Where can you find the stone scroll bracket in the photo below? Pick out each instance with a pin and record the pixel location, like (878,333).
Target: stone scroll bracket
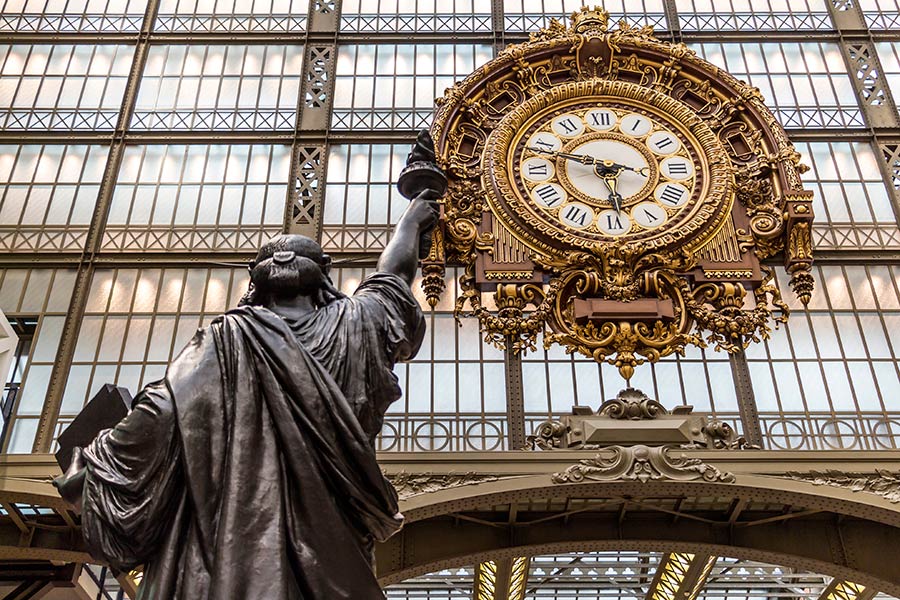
(642,463)
(635,420)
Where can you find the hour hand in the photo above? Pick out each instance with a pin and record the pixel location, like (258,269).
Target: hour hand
(611,182)
(615,167)
(616,200)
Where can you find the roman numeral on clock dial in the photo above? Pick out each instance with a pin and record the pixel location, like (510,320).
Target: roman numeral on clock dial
(545,141)
(671,194)
(613,222)
(548,194)
(537,169)
(567,126)
(635,125)
(677,168)
(649,215)
(600,119)
(576,215)
(663,142)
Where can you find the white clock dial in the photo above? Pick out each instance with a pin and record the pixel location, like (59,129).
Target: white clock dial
(663,143)
(545,141)
(548,195)
(585,178)
(568,126)
(537,169)
(677,168)
(600,119)
(649,215)
(671,195)
(635,125)
(613,223)
(577,215)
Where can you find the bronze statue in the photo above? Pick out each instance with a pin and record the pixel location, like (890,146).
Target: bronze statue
(249,471)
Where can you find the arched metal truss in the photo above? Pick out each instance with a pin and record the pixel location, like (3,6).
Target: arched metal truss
(833,513)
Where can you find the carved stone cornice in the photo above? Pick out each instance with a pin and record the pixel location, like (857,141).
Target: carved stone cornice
(881,483)
(642,463)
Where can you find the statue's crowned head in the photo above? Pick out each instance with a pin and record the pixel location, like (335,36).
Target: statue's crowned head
(288,266)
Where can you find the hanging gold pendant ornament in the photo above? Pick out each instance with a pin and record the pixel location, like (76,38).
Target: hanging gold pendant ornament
(618,194)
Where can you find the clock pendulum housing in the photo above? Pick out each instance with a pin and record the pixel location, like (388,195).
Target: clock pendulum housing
(618,194)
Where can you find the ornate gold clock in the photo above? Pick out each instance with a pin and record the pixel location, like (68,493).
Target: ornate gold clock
(601,162)
(619,195)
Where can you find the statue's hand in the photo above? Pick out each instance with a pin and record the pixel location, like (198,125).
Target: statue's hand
(71,483)
(423,210)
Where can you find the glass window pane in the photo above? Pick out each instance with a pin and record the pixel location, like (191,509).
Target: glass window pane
(218,87)
(71,77)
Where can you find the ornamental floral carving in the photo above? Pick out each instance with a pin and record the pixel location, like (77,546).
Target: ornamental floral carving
(642,463)
(416,484)
(881,483)
(648,294)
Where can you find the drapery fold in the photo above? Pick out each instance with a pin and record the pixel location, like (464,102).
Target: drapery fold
(250,472)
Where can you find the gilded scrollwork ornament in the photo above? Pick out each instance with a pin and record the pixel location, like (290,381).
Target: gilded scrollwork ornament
(671,257)
(433,283)
(512,326)
(718,309)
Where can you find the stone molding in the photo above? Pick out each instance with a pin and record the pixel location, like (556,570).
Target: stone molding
(642,463)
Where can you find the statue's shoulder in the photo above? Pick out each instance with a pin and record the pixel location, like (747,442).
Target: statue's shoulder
(200,350)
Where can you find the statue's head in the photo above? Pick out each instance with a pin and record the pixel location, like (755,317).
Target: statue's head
(288,266)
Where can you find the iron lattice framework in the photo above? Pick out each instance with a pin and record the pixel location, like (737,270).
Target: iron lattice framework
(117,115)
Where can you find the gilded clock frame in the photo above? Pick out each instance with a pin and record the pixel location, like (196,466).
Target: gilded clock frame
(699,283)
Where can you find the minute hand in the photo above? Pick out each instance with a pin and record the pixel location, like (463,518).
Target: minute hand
(582,158)
(590,160)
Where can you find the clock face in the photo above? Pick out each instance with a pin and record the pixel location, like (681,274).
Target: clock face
(602,168)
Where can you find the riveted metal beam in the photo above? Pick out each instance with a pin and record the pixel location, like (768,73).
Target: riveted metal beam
(304,204)
(672,22)
(863,64)
(680,576)
(515,400)
(840,589)
(59,375)
(804,541)
(746,399)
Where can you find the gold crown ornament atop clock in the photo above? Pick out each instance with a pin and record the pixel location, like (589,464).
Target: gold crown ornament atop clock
(618,194)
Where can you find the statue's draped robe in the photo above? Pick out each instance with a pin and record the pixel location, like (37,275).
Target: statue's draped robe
(249,472)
